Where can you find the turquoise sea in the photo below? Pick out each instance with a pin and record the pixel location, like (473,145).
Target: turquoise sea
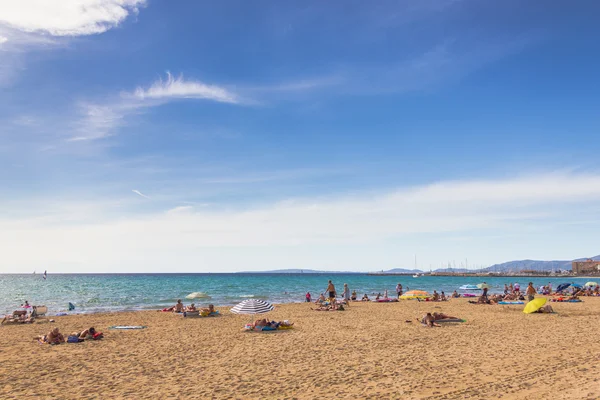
(118,292)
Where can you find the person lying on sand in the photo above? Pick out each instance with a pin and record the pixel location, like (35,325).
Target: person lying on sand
(17,319)
(428,320)
(331,307)
(547,309)
(88,334)
(259,323)
(207,311)
(439,316)
(496,298)
(52,337)
(481,300)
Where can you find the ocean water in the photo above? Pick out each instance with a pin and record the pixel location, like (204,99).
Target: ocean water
(120,292)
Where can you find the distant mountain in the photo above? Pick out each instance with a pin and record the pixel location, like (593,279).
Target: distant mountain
(403,271)
(515,266)
(398,271)
(534,265)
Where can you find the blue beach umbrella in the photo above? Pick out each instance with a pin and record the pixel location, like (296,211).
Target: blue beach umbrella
(562,287)
(577,285)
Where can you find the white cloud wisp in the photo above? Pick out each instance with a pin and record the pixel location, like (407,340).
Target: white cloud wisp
(174,88)
(101,120)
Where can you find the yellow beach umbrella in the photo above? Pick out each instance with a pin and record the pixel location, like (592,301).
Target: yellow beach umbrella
(415,294)
(591,284)
(534,305)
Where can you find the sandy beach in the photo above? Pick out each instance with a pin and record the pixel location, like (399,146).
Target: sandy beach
(368,351)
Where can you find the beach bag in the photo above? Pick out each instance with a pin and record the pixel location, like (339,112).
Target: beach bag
(97,336)
(74,339)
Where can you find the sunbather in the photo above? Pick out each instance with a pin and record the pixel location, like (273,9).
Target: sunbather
(179,307)
(455,295)
(52,337)
(205,312)
(191,307)
(365,298)
(18,317)
(440,316)
(428,320)
(547,309)
(321,299)
(88,334)
(436,296)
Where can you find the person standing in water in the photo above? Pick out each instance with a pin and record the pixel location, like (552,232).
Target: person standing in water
(331,290)
(308,297)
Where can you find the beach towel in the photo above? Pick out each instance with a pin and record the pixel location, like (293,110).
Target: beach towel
(127,327)
(567,301)
(511,302)
(451,320)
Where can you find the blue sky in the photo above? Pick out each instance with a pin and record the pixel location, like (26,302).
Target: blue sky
(224,136)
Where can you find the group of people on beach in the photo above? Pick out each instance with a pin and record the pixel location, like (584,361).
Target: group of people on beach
(180,308)
(56,337)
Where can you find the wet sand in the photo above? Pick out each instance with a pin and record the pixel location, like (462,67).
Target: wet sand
(368,351)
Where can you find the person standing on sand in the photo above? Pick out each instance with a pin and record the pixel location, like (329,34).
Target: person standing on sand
(331,290)
(530,292)
(399,290)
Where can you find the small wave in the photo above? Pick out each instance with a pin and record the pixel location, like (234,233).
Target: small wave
(246,295)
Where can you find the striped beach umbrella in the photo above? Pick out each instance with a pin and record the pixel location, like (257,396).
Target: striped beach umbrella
(252,306)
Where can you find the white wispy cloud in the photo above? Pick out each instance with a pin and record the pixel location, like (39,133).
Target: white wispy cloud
(140,194)
(101,120)
(67,17)
(446,208)
(180,88)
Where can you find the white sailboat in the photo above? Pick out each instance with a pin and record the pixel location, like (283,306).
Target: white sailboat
(417,275)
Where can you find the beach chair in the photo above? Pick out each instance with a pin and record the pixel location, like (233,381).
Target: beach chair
(41,311)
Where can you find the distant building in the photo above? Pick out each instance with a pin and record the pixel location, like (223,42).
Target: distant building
(586,267)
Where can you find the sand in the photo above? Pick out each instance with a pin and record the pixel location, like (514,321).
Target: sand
(366,352)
